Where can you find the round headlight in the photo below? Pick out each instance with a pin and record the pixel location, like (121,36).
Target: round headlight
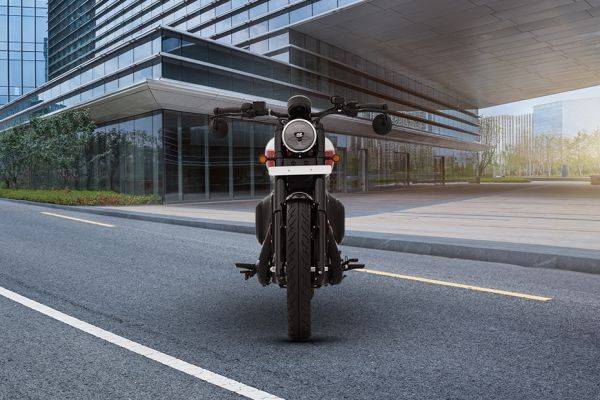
(299,135)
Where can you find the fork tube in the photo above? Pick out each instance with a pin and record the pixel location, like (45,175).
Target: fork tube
(321,199)
(320,143)
(279,197)
(278,146)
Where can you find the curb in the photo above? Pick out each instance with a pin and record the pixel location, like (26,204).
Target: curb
(535,256)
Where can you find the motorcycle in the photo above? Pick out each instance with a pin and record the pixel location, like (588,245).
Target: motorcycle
(299,224)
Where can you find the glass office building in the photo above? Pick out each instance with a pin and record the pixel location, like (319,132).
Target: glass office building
(150,72)
(23,47)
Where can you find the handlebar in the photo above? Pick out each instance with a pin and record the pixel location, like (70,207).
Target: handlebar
(381,107)
(227,110)
(259,109)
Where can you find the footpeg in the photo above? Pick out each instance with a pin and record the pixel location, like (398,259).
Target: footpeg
(249,270)
(350,264)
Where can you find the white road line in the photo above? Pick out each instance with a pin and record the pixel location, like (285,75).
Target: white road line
(165,359)
(87,221)
(456,285)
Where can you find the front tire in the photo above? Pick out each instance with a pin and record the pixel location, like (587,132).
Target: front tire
(298,258)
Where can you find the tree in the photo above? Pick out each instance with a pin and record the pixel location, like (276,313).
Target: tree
(17,150)
(490,134)
(64,137)
(44,145)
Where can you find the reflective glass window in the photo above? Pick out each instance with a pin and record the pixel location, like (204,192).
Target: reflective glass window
(171,44)
(193,155)
(219,79)
(125,79)
(240,17)
(240,36)
(195,49)
(14,25)
(193,73)
(259,28)
(300,14)
(126,58)
(279,21)
(142,51)
(321,6)
(98,71)
(111,65)
(14,72)
(276,4)
(28,29)
(259,10)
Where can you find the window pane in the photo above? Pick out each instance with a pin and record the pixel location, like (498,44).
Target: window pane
(28,29)
(14,25)
(171,151)
(171,44)
(28,73)
(41,29)
(194,49)
(14,71)
(142,51)
(193,137)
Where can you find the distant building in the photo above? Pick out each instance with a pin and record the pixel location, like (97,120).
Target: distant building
(23,47)
(515,137)
(566,118)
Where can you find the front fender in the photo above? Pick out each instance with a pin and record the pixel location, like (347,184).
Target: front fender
(264,213)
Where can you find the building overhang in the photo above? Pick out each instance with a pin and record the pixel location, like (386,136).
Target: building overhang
(167,94)
(489,52)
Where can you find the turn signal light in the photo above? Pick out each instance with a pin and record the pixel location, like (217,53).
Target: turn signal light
(332,159)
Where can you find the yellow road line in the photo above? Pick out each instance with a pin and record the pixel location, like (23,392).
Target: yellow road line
(456,285)
(79,220)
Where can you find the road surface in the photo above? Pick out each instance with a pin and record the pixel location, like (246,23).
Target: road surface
(107,308)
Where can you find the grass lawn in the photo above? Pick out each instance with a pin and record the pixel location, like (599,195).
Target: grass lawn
(77,197)
(505,180)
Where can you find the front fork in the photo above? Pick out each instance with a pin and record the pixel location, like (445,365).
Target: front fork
(321,200)
(278,231)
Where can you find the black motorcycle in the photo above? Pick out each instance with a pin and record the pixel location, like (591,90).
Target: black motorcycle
(300,224)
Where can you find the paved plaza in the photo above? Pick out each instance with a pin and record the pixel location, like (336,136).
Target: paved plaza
(560,214)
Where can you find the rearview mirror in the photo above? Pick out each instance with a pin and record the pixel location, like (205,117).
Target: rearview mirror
(382,124)
(219,128)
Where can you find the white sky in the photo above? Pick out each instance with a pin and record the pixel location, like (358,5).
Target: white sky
(526,106)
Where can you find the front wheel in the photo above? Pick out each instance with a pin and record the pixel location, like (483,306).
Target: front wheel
(298,257)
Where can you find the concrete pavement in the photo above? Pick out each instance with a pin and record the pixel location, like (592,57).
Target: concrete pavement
(174,289)
(563,214)
(543,224)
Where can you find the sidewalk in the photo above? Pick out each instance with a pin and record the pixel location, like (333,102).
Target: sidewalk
(542,224)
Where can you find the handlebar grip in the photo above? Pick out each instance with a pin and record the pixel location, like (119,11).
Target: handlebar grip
(375,106)
(227,110)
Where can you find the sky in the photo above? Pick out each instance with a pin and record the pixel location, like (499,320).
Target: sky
(526,106)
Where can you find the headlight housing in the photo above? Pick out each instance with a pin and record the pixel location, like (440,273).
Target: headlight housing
(299,135)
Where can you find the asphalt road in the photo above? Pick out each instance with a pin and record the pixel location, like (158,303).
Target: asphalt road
(175,290)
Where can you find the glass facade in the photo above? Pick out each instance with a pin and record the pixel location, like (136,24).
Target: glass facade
(71,33)
(170,154)
(105,47)
(122,67)
(81,30)
(548,119)
(199,167)
(168,54)
(23,47)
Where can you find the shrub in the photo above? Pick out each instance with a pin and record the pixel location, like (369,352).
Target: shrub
(78,197)
(509,179)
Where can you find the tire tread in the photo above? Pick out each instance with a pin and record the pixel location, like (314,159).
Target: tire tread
(298,256)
